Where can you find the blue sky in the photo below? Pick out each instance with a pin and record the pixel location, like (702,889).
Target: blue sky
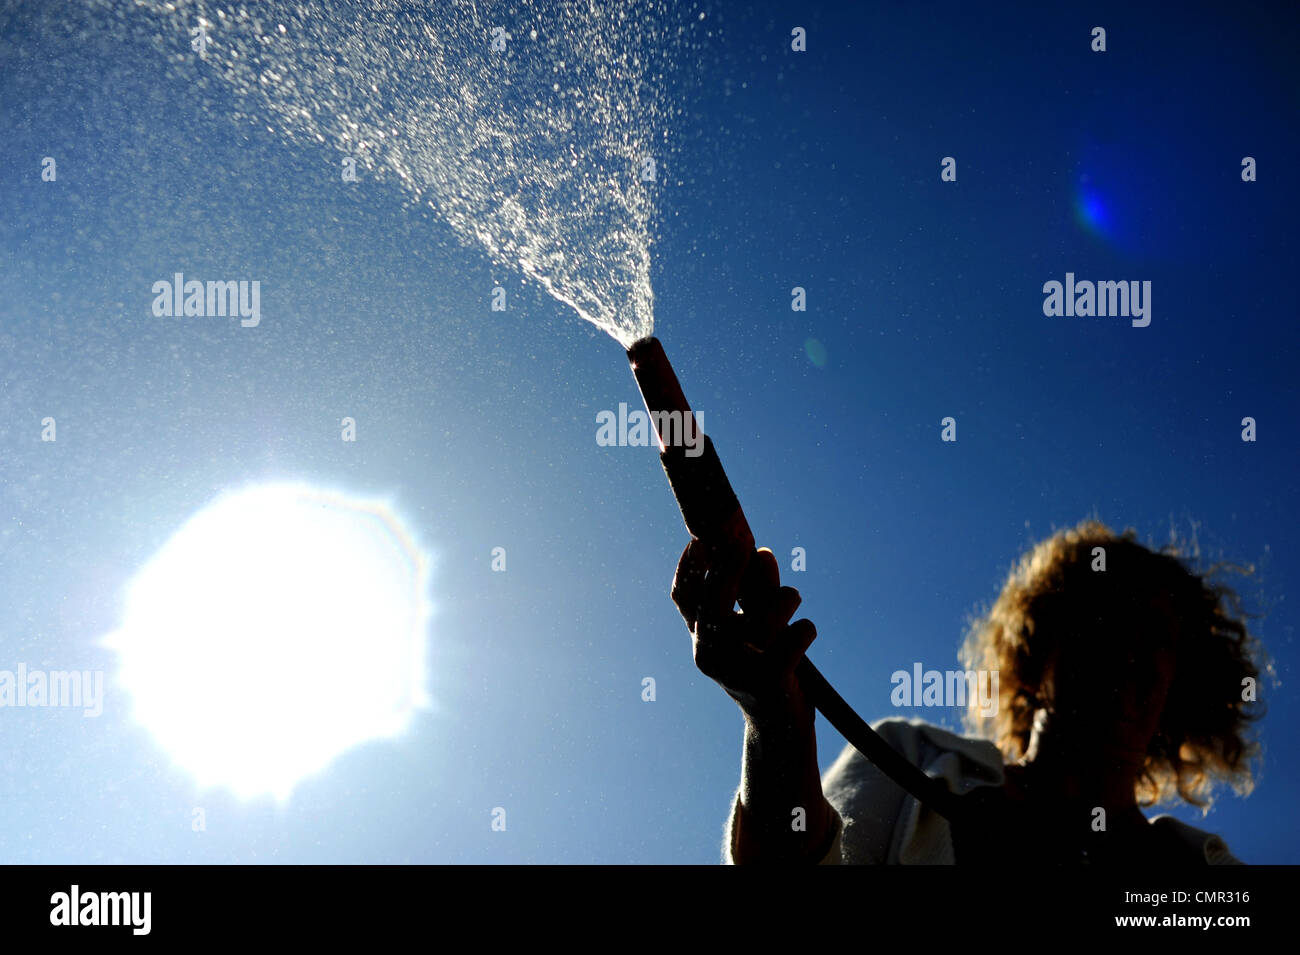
(818,170)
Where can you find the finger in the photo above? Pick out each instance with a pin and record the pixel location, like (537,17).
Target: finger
(786,603)
(770,618)
(722,582)
(762,576)
(798,637)
(688,581)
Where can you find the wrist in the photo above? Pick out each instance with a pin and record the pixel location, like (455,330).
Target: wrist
(780,720)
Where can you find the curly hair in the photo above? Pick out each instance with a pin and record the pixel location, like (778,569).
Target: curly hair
(1053,596)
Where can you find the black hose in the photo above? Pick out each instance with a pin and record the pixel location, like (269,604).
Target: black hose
(868,742)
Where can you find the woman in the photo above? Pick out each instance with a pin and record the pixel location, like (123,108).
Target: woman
(1123,682)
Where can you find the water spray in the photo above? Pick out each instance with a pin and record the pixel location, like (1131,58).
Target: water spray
(712,513)
(503,172)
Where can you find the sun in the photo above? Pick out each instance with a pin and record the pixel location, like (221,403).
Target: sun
(281,626)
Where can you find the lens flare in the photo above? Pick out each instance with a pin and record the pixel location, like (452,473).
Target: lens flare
(1093,211)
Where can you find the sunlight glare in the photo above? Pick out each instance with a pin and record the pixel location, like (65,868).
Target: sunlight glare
(280,626)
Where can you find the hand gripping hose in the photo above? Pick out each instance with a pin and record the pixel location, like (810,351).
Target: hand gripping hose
(712,513)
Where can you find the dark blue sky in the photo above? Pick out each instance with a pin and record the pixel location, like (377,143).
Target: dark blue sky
(818,170)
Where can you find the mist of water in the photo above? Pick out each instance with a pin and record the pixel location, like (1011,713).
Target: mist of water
(539,151)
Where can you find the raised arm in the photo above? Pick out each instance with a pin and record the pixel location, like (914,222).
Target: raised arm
(752,655)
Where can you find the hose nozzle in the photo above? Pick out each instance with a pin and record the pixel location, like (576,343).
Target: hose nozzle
(709,506)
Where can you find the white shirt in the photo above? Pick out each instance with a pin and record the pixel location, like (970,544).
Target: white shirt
(878,823)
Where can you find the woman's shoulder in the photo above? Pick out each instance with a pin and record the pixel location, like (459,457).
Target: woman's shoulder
(1197,841)
(922,743)
(882,822)
(963,761)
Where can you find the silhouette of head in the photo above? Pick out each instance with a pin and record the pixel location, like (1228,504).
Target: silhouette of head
(1132,655)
